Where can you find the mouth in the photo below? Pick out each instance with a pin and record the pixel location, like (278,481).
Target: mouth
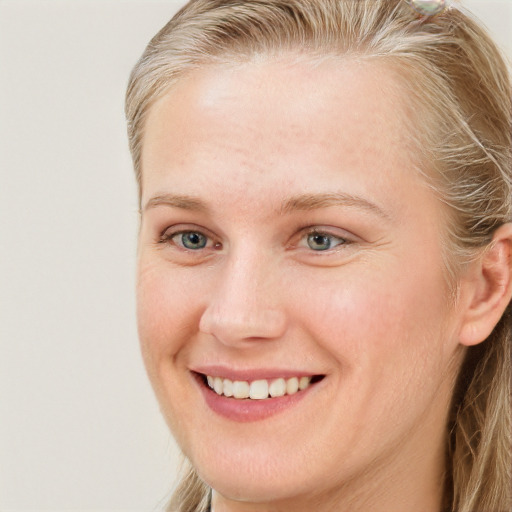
(258,389)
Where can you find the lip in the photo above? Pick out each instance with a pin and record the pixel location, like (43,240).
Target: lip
(247,410)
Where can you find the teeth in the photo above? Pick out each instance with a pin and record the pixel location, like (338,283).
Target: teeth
(218,385)
(304,382)
(228,388)
(278,387)
(240,389)
(258,389)
(292,385)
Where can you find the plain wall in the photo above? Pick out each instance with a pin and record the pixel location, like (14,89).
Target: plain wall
(79,427)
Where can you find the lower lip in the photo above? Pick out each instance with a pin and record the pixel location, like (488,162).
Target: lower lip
(249,410)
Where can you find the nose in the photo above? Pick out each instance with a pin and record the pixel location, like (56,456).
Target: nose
(245,302)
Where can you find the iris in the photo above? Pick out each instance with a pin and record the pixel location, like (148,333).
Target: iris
(319,242)
(193,240)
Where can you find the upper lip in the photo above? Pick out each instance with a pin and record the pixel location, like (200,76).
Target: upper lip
(251,374)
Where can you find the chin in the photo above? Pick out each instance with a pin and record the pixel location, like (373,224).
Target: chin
(258,476)
(265,488)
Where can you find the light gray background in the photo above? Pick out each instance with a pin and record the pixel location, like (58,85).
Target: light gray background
(79,427)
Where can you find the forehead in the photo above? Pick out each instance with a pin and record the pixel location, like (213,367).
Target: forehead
(270,115)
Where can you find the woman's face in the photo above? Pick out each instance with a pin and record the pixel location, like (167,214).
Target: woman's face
(286,234)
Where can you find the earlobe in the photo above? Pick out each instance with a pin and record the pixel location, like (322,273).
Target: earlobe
(487,289)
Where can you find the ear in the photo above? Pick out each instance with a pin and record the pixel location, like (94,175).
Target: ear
(486,289)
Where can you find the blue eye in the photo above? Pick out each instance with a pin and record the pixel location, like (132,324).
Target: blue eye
(323,241)
(192,240)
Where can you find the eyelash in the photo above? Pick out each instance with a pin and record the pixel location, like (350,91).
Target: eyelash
(306,235)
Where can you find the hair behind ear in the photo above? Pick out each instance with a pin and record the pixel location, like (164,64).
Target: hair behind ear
(480,441)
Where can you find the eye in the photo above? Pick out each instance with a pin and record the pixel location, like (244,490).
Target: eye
(187,239)
(192,240)
(319,241)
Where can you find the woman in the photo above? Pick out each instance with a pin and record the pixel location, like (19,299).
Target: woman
(325,254)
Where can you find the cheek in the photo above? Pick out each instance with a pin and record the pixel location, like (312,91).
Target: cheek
(386,344)
(383,325)
(168,310)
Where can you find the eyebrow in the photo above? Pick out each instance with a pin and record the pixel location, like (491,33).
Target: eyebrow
(303,202)
(307,202)
(176,201)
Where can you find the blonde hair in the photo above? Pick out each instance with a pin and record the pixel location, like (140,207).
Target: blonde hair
(460,84)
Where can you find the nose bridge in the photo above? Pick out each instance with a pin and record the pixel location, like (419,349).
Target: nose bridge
(245,303)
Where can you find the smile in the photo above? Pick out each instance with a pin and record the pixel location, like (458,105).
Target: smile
(258,389)
(248,396)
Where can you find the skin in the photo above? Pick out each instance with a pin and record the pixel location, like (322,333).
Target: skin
(372,313)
